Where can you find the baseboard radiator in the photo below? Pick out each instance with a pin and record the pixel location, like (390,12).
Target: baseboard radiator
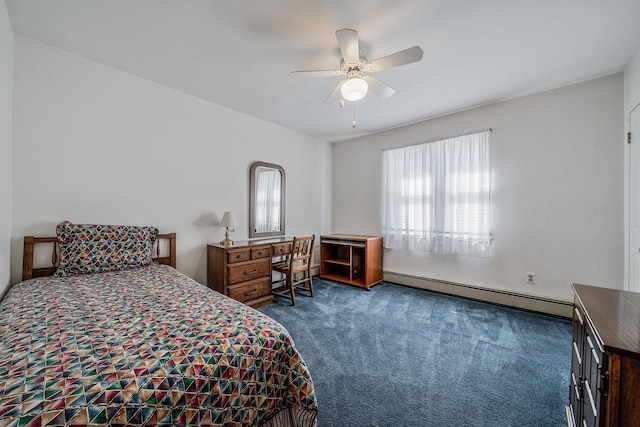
(315,263)
(511,299)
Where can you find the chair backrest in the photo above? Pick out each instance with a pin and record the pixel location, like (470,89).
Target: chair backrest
(301,250)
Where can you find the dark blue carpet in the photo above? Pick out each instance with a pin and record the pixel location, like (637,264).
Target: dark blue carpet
(399,356)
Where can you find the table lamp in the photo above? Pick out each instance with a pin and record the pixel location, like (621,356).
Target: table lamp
(228,220)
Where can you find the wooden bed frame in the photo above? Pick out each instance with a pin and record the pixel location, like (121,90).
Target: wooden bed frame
(28,272)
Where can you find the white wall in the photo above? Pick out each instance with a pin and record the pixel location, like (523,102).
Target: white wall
(96,145)
(557,190)
(632,98)
(632,83)
(6,90)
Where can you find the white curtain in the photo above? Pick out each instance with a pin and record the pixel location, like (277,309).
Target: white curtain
(436,196)
(267,200)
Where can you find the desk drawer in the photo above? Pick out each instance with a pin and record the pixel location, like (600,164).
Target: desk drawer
(238,255)
(250,290)
(237,273)
(262,252)
(281,249)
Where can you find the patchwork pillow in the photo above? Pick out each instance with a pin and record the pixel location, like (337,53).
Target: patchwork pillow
(89,248)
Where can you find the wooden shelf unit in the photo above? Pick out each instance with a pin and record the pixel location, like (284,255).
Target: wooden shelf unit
(352,259)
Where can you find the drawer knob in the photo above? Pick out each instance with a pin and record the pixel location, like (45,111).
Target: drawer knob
(254,271)
(247,293)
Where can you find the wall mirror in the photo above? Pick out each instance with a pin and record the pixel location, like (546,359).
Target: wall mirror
(266,200)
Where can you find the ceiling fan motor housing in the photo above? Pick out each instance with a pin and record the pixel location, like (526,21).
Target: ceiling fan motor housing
(357,68)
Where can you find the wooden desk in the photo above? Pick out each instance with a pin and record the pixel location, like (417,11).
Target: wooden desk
(352,259)
(243,271)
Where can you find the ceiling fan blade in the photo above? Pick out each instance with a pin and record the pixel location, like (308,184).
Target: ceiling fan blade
(407,56)
(348,42)
(377,87)
(335,95)
(316,73)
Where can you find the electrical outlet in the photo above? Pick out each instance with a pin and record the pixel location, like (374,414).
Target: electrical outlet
(530,278)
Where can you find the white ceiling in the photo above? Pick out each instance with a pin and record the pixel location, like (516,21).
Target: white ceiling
(239,53)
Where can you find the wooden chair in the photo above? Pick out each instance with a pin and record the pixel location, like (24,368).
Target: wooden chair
(296,269)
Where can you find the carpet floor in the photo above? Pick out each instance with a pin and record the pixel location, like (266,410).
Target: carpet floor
(399,356)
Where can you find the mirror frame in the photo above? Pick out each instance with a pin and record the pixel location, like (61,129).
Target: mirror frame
(252,200)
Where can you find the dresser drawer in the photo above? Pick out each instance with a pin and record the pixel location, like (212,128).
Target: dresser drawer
(262,252)
(238,255)
(281,249)
(237,273)
(247,291)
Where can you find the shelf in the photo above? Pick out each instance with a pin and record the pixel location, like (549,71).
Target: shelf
(344,279)
(344,243)
(338,261)
(359,281)
(335,277)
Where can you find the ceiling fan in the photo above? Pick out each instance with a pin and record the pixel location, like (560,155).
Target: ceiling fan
(356,69)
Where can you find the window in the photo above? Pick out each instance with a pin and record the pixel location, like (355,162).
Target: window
(436,196)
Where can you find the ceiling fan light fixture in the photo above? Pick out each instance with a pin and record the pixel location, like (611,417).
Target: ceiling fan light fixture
(354,89)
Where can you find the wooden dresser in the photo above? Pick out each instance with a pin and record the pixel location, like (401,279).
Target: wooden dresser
(604,385)
(243,271)
(352,259)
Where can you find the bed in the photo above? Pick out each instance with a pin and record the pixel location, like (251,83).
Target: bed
(120,343)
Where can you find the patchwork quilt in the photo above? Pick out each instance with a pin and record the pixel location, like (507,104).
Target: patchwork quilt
(146,346)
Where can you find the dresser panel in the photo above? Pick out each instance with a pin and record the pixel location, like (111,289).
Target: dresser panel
(247,291)
(605,364)
(241,272)
(280,249)
(238,255)
(264,252)
(575,388)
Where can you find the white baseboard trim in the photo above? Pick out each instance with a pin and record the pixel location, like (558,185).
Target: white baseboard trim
(511,299)
(315,270)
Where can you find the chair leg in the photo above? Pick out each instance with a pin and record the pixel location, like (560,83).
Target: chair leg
(292,288)
(311,285)
(308,281)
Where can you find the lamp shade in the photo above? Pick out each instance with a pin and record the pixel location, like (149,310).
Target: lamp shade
(354,89)
(228,220)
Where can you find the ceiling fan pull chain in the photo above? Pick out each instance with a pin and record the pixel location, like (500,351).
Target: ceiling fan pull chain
(354,123)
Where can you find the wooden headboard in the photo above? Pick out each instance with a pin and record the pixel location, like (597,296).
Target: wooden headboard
(28,272)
